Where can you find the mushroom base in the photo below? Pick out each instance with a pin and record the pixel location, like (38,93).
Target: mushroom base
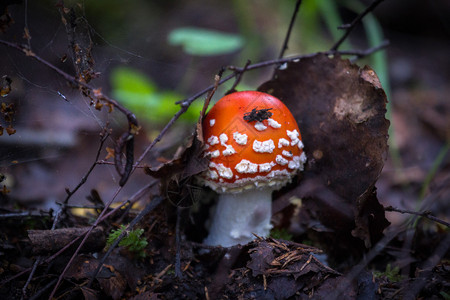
(238,216)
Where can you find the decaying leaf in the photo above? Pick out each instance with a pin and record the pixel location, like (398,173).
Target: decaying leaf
(340,109)
(177,175)
(84,267)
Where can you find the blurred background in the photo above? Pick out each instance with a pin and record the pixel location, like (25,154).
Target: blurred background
(150,54)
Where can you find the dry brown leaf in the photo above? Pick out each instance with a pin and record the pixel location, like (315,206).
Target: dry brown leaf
(340,109)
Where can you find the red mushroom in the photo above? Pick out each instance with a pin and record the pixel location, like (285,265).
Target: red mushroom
(255,147)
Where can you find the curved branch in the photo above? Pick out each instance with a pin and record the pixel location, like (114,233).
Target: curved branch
(349,27)
(425,214)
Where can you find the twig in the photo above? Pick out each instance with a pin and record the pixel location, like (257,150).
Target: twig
(349,27)
(103,137)
(83,180)
(364,53)
(43,290)
(211,94)
(110,163)
(23,214)
(152,205)
(291,25)
(81,206)
(425,214)
(178,272)
(35,265)
(239,77)
(27,29)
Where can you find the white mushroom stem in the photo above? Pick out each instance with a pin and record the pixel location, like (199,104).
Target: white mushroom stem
(237,216)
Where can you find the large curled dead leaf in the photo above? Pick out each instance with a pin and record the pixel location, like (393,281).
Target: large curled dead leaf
(340,109)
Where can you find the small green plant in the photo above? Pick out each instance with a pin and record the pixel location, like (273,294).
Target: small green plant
(132,241)
(393,274)
(282,234)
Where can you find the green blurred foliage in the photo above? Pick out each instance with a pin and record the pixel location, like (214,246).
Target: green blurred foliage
(141,96)
(205,42)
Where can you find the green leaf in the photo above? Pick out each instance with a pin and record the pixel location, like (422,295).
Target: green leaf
(140,95)
(204,42)
(131,81)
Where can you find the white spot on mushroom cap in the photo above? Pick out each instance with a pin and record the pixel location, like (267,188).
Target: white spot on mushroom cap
(293,135)
(212,174)
(213,140)
(263,147)
(281,160)
(300,144)
(274,124)
(303,158)
(297,162)
(212,122)
(266,167)
(229,151)
(222,170)
(223,138)
(215,153)
(246,166)
(294,163)
(283,142)
(287,153)
(260,126)
(240,139)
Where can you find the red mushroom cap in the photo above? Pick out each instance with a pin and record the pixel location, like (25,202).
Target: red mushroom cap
(253,141)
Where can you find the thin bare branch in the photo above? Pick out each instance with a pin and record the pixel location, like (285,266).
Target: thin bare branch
(83,180)
(291,25)
(178,272)
(349,27)
(239,77)
(211,94)
(425,214)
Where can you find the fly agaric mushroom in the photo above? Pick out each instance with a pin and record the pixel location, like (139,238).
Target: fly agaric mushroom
(255,147)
